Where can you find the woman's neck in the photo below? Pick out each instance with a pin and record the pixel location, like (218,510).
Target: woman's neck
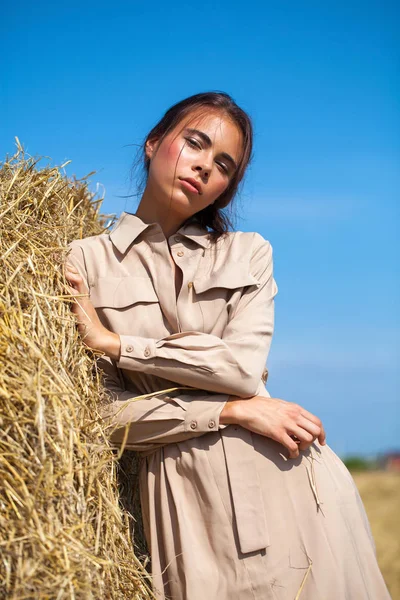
(151,212)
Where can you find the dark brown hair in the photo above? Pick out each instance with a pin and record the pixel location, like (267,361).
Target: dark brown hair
(212,216)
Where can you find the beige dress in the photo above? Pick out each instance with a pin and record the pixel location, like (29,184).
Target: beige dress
(227,515)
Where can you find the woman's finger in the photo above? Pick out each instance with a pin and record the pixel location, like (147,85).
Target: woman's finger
(290,445)
(71,267)
(73,277)
(310,416)
(308,425)
(71,290)
(322,436)
(302,434)
(71,272)
(77,282)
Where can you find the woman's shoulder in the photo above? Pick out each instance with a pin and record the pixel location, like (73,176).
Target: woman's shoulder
(92,241)
(245,242)
(242,252)
(93,249)
(92,252)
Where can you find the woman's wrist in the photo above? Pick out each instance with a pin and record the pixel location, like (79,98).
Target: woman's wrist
(230,413)
(111,345)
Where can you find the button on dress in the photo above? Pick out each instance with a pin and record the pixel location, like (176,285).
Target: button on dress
(226,514)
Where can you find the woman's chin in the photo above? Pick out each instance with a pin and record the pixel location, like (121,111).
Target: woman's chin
(183,203)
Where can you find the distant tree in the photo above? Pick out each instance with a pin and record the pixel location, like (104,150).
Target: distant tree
(358,463)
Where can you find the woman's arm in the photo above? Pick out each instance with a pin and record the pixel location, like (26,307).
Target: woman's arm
(154,421)
(231,365)
(157,420)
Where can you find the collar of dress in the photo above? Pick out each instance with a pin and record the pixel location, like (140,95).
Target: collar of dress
(129,227)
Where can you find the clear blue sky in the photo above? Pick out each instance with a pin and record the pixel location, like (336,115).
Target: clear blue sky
(86,80)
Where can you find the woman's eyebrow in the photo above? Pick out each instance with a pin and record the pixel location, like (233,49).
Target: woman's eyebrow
(207,142)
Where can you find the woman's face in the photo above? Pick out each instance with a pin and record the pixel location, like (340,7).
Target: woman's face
(194,163)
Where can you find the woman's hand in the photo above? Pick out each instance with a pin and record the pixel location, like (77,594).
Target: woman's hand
(93,333)
(276,419)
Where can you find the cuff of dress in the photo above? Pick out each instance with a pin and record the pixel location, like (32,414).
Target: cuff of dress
(203,415)
(135,348)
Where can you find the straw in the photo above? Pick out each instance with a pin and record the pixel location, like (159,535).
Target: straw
(64,533)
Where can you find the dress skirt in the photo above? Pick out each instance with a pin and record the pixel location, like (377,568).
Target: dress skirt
(320,545)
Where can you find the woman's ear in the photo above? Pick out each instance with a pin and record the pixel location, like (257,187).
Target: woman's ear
(151,146)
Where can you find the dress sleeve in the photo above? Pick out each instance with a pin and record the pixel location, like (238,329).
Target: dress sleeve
(158,419)
(233,364)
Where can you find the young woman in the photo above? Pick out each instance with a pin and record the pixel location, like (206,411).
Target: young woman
(241,497)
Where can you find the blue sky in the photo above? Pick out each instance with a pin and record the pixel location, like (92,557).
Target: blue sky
(87,80)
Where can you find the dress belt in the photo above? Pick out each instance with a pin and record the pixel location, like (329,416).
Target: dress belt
(248,503)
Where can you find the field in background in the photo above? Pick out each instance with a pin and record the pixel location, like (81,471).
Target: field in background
(380,492)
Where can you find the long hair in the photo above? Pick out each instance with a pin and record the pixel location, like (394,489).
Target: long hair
(212,216)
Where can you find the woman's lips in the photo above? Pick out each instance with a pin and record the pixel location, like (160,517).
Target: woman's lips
(189,186)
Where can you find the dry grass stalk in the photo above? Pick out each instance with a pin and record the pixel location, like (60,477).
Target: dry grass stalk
(312,480)
(303,583)
(63,531)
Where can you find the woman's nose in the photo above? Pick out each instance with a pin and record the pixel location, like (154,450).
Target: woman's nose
(203,169)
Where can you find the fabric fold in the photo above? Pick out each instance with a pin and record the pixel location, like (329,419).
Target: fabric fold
(247,498)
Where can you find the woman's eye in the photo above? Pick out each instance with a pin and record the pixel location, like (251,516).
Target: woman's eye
(223,167)
(193,143)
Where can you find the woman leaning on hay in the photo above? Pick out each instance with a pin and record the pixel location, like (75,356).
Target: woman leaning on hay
(241,496)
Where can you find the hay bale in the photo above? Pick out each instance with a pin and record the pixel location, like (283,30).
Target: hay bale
(63,531)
